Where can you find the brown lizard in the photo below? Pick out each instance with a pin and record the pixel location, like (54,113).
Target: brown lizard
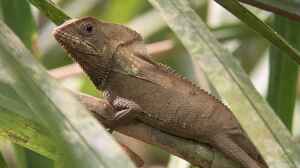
(115,59)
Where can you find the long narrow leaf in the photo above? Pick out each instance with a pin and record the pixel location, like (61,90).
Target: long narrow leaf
(17,15)
(12,102)
(231,82)
(26,133)
(260,27)
(2,161)
(284,73)
(51,11)
(62,114)
(20,126)
(288,9)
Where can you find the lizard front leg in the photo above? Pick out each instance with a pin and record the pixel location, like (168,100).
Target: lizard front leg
(126,111)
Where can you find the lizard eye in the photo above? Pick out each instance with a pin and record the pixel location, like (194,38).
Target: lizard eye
(87,28)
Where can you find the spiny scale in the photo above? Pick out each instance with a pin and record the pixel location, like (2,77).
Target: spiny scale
(170,70)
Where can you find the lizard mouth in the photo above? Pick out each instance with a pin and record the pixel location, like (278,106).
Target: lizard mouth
(73,43)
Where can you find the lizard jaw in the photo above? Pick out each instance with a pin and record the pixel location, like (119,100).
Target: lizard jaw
(74,43)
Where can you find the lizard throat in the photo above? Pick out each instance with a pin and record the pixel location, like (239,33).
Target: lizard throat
(97,72)
(96,64)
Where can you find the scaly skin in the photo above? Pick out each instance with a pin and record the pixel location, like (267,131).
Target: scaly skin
(115,59)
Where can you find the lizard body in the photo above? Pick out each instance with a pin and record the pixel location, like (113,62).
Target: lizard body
(115,59)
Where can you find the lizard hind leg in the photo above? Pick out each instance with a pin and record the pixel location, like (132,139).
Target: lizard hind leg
(233,151)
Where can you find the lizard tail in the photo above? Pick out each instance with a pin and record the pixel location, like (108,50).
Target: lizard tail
(244,142)
(233,151)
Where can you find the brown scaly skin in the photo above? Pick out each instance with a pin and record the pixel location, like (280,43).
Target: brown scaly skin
(115,59)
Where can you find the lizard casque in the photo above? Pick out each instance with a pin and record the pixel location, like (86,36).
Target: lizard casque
(115,59)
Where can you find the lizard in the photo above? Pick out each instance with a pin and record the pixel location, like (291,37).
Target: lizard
(115,59)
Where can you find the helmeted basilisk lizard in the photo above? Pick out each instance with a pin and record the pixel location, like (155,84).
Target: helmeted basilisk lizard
(115,59)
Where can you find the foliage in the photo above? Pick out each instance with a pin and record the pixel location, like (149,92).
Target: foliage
(38,114)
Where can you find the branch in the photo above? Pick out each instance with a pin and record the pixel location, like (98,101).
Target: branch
(33,136)
(198,154)
(66,71)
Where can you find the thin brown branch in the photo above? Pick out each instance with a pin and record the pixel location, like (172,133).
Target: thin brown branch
(155,50)
(158,48)
(66,71)
(198,154)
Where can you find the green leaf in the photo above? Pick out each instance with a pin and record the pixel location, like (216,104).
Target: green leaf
(51,11)
(288,9)
(284,73)
(260,27)
(20,155)
(35,160)
(233,85)
(17,15)
(2,161)
(26,133)
(79,136)
(12,102)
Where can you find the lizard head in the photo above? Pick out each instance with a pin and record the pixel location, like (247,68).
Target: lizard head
(92,43)
(90,36)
